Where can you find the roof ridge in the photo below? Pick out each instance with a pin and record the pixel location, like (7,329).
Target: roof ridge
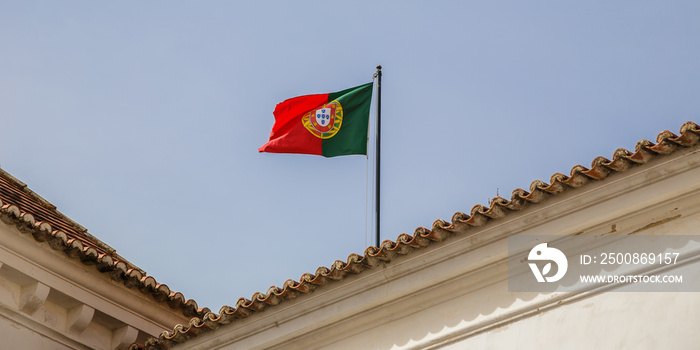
(48,205)
(26,189)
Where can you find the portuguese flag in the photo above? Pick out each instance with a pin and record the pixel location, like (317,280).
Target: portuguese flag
(328,125)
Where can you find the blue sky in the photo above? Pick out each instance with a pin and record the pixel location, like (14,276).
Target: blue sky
(141,121)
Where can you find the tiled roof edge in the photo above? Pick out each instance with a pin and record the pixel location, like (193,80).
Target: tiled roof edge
(539,191)
(118,268)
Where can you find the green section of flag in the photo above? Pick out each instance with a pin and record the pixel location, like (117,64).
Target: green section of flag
(352,136)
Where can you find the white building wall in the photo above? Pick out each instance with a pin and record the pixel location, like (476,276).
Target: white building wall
(609,320)
(14,335)
(606,321)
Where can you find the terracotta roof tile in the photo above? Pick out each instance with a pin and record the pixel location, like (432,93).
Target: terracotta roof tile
(35,216)
(601,168)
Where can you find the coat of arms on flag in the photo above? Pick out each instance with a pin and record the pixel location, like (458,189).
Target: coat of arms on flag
(324,122)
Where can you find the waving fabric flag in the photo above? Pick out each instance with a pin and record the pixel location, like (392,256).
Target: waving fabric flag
(328,125)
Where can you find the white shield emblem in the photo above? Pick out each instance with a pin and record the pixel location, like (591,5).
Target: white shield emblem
(323,116)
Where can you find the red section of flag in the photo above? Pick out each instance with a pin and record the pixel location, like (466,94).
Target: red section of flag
(289,134)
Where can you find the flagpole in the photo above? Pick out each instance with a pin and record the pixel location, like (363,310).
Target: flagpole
(378,150)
